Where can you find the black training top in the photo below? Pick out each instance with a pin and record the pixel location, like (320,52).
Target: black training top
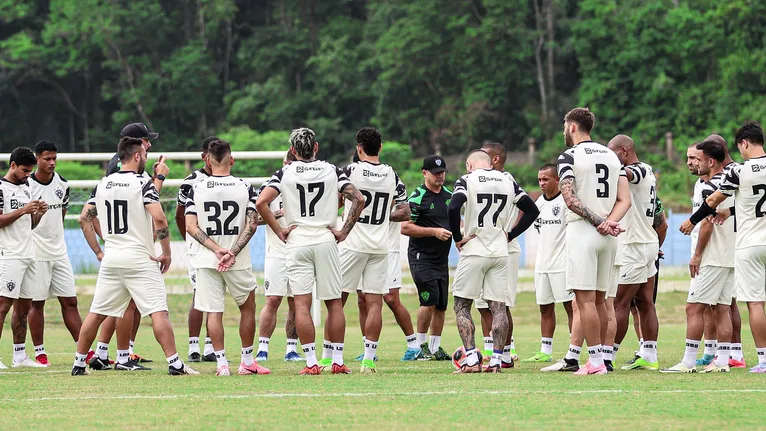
(429,209)
(113,166)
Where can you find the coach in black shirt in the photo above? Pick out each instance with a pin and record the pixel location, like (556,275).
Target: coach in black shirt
(428,254)
(140,131)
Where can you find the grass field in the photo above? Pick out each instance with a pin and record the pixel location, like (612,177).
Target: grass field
(407,395)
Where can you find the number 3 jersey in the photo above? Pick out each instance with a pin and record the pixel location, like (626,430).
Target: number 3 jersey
(381,188)
(490,195)
(310,199)
(126,226)
(220,204)
(748,180)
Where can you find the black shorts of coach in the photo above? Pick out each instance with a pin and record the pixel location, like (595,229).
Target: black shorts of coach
(432,283)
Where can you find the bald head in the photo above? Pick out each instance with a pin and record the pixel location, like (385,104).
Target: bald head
(625,148)
(718,139)
(478,159)
(497,153)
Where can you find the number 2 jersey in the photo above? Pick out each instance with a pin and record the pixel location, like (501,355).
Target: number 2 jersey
(382,189)
(310,199)
(126,226)
(489,197)
(639,219)
(748,181)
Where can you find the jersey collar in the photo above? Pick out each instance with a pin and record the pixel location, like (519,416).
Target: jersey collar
(34,177)
(126,172)
(4,179)
(553,198)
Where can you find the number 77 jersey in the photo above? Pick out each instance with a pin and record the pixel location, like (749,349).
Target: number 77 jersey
(490,196)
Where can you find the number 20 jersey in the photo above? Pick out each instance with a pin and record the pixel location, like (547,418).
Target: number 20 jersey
(596,171)
(381,188)
(126,226)
(220,204)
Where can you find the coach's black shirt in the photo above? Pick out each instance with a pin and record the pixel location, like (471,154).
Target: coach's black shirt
(429,209)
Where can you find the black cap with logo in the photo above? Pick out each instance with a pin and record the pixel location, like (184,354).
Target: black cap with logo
(434,164)
(139,131)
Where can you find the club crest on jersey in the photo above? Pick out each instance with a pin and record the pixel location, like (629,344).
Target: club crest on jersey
(10,285)
(59,193)
(556,210)
(27,193)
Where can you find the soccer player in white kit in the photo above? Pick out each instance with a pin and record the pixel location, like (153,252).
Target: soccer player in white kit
(221,216)
(276,288)
(747,182)
(129,211)
(550,260)
(20,213)
(639,249)
(309,190)
(482,269)
(364,254)
(53,271)
(594,188)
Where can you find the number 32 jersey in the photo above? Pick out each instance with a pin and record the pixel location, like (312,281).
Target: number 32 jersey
(220,204)
(126,225)
(381,188)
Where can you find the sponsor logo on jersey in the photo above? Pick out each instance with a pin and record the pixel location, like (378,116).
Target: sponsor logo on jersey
(11,285)
(211,184)
(483,179)
(15,204)
(757,168)
(595,151)
(59,193)
(368,173)
(55,206)
(111,184)
(302,169)
(541,221)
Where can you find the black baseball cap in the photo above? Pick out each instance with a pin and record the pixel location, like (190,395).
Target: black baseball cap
(434,164)
(139,131)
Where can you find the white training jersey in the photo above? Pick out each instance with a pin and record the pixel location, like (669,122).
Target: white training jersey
(14,238)
(596,171)
(699,185)
(221,204)
(126,226)
(720,249)
(382,190)
(489,198)
(748,181)
(394,236)
(310,199)
(274,246)
(639,219)
(513,246)
(192,246)
(48,236)
(551,243)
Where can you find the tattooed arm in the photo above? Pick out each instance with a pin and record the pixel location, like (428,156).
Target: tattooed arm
(87,216)
(566,186)
(192,229)
(351,194)
(401,213)
(162,233)
(251,224)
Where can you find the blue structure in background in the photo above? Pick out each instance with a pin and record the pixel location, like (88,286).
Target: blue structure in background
(677,248)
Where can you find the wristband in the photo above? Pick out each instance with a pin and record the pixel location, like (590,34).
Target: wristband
(160,177)
(701,213)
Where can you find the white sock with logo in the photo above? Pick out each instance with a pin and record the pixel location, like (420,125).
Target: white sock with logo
(337,353)
(39,350)
(263,344)
(412,341)
(19,352)
(102,351)
(208,347)
(292,346)
(546,345)
(247,356)
(309,351)
(690,353)
(489,343)
(193,345)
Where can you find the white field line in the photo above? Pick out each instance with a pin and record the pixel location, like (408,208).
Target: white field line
(371,394)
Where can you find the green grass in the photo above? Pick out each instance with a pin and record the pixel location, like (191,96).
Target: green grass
(402,395)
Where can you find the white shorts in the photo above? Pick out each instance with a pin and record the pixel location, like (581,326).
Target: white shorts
(713,285)
(750,273)
(551,287)
(511,286)
(275,278)
(591,257)
(316,264)
(394,270)
(615,283)
(369,269)
(212,286)
(17,278)
(192,276)
(53,279)
(638,263)
(478,277)
(116,286)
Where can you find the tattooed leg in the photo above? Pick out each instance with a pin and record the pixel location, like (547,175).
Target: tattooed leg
(499,322)
(465,324)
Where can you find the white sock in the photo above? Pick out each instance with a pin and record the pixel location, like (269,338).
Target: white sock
(208,346)
(710,347)
(193,345)
(434,343)
(595,355)
(607,352)
(471,357)
(309,351)
(616,347)
(263,344)
(326,350)
(513,344)
(546,345)
(19,352)
(736,351)
(220,357)
(640,343)
(412,341)
(292,346)
(507,354)
(650,351)
(102,351)
(370,347)
(573,352)
(690,353)
(761,356)
(337,353)
(39,350)
(421,338)
(175,362)
(79,360)
(132,343)
(489,343)
(247,356)
(123,356)
(723,353)
(497,358)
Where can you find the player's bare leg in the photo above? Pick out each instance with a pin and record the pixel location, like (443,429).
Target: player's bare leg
(247,336)
(437,322)
(404,320)
(133,333)
(547,329)
(466,329)
(71,316)
(194,322)
(592,307)
(486,331)
(88,332)
(373,325)
(362,305)
(571,361)
(500,329)
(268,322)
(650,326)
(724,330)
(625,295)
(609,335)
(163,332)
(123,333)
(711,336)
(305,329)
(758,328)
(291,349)
(101,360)
(509,351)
(335,325)
(737,358)
(19,327)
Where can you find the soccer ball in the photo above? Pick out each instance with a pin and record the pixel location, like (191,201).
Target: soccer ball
(458,358)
